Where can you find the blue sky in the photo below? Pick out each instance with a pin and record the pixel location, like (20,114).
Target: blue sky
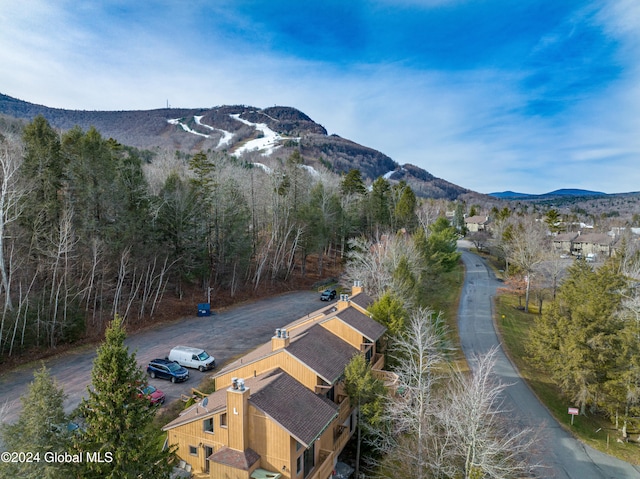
(491,95)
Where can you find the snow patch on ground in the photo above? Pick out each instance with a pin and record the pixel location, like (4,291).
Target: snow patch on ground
(268,143)
(388,174)
(227,136)
(264,167)
(224,141)
(310,169)
(186,128)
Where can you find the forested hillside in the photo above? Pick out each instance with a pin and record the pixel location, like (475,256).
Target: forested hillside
(239,130)
(90,228)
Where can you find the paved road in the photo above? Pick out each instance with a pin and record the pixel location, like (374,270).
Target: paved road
(562,457)
(225,336)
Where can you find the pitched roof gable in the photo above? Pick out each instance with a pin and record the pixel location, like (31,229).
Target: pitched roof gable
(216,402)
(368,327)
(323,352)
(304,414)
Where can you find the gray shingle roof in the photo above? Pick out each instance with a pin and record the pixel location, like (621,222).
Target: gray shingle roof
(295,408)
(362,299)
(324,352)
(369,328)
(238,459)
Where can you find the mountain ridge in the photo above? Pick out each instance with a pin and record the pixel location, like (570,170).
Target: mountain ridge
(575,192)
(229,128)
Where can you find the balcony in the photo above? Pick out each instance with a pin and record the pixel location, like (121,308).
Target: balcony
(324,468)
(345,409)
(341,436)
(377,362)
(387,377)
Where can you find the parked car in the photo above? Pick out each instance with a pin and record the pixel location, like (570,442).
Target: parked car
(192,358)
(165,369)
(153,394)
(328,295)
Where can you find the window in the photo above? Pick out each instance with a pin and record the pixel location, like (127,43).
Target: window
(298,446)
(193,450)
(331,393)
(208,425)
(309,459)
(299,465)
(223,419)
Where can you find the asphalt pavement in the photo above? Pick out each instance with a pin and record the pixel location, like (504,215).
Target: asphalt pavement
(224,335)
(561,455)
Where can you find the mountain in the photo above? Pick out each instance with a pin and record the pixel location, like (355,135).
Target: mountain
(260,135)
(566,192)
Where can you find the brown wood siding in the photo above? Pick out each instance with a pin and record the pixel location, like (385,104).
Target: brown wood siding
(283,360)
(343,331)
(272,442)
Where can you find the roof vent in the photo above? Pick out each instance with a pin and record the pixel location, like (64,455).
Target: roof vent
(234,383)
(284,334)
(241,384)
(278,333)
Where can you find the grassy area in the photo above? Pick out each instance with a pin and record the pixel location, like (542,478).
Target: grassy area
(445,297)
(597,431)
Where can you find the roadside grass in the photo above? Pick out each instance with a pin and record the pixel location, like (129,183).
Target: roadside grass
(597,431)
(445,297)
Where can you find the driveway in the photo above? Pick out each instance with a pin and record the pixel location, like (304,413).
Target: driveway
(562,456)
(225,336)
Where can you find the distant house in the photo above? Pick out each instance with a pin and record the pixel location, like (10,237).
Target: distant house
(476,223)
(563,243)
(600,244)
(281,411)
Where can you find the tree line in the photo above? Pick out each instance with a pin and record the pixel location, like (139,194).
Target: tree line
(90,228)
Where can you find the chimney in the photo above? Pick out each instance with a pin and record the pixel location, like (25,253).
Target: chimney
(238,416)
(356,288)
(280,339)
(343,302)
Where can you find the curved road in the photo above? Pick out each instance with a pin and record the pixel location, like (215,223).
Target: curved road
(225,336)
(562,457)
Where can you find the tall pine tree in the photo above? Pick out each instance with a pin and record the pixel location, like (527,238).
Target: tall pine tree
(118,421)
(41,428)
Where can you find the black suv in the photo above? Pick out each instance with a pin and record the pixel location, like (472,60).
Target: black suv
(328,295)
(165,369)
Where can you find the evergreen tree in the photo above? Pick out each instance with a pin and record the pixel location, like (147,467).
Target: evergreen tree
(41,428)
(439,248)
(552,219)
(577,338)
(118,420)
(352,183)
(43,169)
(405,208)
(365,392)
(389,310)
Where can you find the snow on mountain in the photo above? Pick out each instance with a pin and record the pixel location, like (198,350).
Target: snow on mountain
(185,127)
(388,174)
(264,167)
(227,136)
(267,144)
(310,169)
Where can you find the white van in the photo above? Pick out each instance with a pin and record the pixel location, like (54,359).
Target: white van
(192,358)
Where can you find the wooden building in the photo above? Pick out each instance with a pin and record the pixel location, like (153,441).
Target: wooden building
(476,223)
(281,410)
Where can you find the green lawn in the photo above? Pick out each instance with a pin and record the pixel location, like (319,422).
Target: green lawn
(514,326)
